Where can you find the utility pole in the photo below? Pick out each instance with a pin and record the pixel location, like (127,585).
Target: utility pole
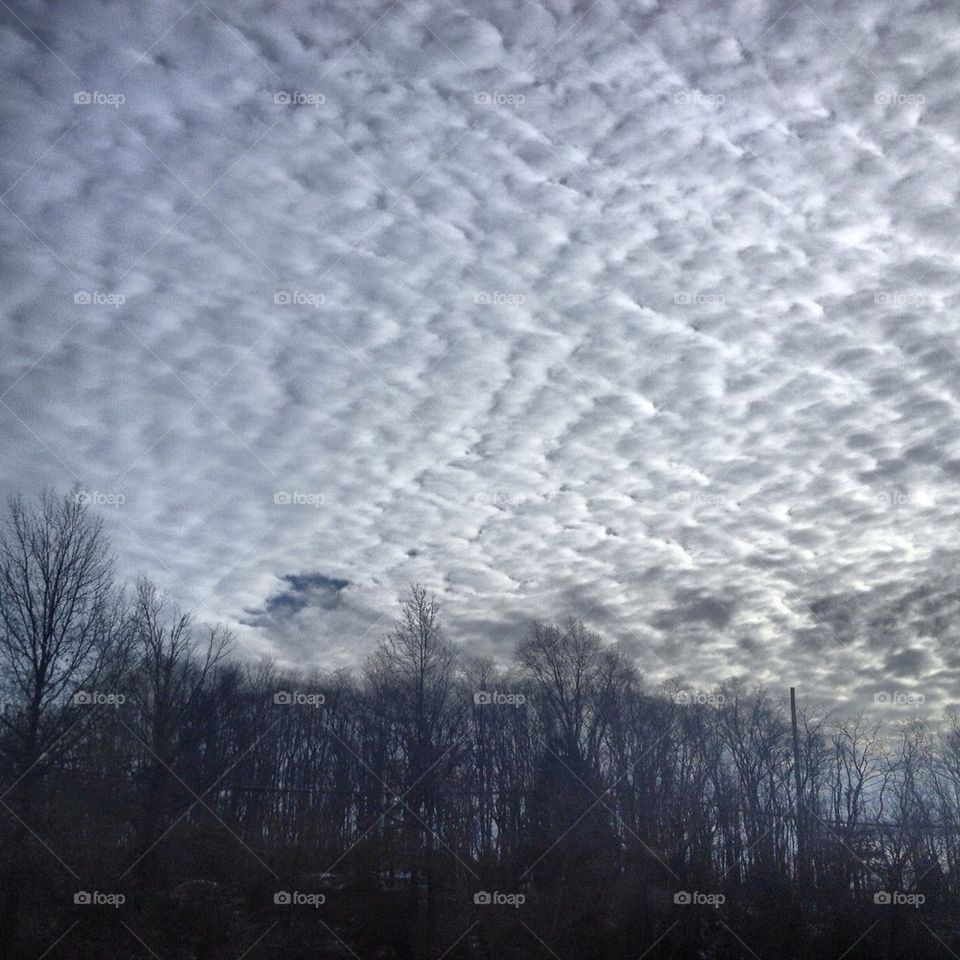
(799,814)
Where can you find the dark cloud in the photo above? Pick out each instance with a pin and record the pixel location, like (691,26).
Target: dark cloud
(309,589)
(907,663)
(694,607)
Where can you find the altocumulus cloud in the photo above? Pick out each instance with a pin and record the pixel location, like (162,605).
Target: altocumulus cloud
(641,311)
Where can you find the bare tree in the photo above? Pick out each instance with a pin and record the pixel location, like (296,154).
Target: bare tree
(412,674)
(171,673)
(62,648)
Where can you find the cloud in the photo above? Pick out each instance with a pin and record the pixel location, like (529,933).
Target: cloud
(632,308)
(311,620)
(692,606)
(302,590)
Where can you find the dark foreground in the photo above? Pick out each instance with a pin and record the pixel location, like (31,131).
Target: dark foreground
(161,800)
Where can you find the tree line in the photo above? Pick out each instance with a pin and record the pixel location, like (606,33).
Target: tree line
(162,797)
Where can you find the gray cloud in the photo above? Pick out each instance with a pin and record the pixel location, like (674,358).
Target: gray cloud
(302,590)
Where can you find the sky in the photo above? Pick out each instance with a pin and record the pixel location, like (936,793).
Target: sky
(641,312)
